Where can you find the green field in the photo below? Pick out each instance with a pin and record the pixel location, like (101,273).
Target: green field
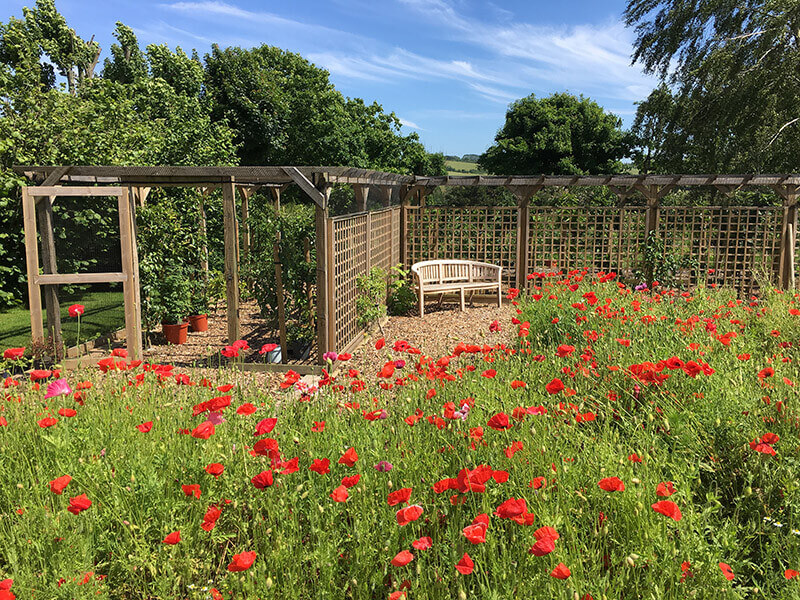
(104,313)
(460,167)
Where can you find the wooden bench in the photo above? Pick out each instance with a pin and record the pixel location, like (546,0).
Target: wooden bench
(443,276)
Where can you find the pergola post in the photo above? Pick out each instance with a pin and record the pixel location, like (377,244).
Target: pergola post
(44,211)
(523,195)
(32,266)
(245,192)
(231,260)
(130,268)
(361,193)
(786,273)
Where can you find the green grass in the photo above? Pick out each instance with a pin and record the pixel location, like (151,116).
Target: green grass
(651,389)
(105,313)
(459,167)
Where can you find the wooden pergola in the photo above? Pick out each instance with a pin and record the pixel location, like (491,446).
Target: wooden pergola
(131,185)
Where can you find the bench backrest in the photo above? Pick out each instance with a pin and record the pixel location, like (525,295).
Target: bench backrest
(451,271)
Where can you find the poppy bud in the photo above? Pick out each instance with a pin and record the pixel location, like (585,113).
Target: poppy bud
(636,480)
(717,422)
(389,484)
(299,488)
(666,424)
(321,508)
(304,495)
(269,582)
(748,491)
(639,506)
(576,596)
(605,529)
(650,417)
(354,581)
(630,561)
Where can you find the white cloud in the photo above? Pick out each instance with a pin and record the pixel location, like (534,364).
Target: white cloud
(410,124)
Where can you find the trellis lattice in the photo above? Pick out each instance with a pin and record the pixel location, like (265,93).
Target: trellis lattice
(487,234)
(360,242)
(732,245)
(595,238)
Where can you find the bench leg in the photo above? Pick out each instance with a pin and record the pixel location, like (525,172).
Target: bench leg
(462,299)
(441,299)
(421,304)
(471,294)
(499,297)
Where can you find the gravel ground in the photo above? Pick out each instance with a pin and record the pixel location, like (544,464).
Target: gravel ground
(437,333)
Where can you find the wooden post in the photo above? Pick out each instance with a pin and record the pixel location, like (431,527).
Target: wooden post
(307,259)
(331,283)
(321,226)
(279,292)
(361,195)
(276,198)
(44,210)
(786,273)
(245,193)
(386,195)
(404,232)
(523,236)
(133,328)
(32,266)
(231,262)
(204,236)
(136,281)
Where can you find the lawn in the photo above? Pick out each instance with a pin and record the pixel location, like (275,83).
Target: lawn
(460,167)
(105,313)
(629,445)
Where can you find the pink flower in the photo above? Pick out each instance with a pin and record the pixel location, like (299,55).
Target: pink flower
(59,387)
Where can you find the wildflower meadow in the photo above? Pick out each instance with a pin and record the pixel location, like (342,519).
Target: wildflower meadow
(628,444)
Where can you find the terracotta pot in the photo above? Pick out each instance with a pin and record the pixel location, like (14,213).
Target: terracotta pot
(175,334)
(198,323)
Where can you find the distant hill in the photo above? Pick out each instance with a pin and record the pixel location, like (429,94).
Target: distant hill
(462,167)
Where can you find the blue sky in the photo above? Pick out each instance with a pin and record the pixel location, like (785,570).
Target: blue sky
(447,68)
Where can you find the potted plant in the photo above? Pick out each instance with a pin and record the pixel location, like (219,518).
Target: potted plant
(198,309)
(299,339)
(174,300)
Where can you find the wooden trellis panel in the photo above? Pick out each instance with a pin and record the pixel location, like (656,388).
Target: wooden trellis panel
(487,234)
(734,246)
(360,242)
(596,238)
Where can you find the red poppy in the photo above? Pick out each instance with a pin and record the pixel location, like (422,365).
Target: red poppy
(564,350)
(266,447)
(318,426)
(512,450)
(320,465)
(203,431)
(402,558)
(543,546)
(210,518)
(246,409)
(40,374)
(215,469)
(726,571)
(790,573)
(340,494)
(59,483)
(555,386)
(349,458)
(242,562)
(408,514)
(489,373)
(262,480)
(76,310)
(13,353)
(475,533)
(172,539)
(423,543)
(668,508)
(465,566)
(380,344)
(561,571)
(67,412)
(399,496)
(665,489)
(47,422)
(351,481)
(387,371)
(265,426)
(499,422)
(544,532)
(192,490)
(79,504)
(513,507)
(293,466)
(611,484)
(145,427)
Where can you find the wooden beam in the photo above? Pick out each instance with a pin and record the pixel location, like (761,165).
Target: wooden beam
(133,327)
(361,193)
(323,308)
(279,292)
(231,263)
(305,185)
(523,235)
(245,193)
(44,211)
(79,278)
(32,265)
(135,281)
(276,198)
(57,190)
(525,192)
(55,176)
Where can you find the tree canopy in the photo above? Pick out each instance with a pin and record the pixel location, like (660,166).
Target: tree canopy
(733,71)
(559,134)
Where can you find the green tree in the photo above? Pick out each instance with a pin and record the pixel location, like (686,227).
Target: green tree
(560,134)
(734,70)
(127,64)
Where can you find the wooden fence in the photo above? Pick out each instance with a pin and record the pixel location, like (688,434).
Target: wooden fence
(737,246)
